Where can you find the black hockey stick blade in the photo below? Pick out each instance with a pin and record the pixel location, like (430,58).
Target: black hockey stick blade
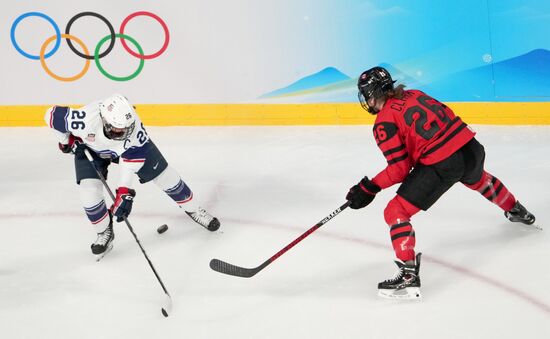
(237,271)
(167,309)
(227,268)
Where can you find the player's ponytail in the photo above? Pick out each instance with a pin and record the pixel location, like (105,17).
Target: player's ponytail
(396,93)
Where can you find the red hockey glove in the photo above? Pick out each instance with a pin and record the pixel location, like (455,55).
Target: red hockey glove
(71,144)
(123,203)
(362,194)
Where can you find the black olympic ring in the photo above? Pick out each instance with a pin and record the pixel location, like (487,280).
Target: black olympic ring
(100,17)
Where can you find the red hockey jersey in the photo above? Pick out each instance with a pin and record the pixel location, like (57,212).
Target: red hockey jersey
(416,129)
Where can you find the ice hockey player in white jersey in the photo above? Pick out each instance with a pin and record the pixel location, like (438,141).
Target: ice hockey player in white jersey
(113,132)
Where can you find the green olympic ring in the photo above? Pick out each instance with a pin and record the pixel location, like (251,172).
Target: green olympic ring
(108,75)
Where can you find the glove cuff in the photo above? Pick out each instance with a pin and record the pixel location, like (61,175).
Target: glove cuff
(125,190)
(65,148)
(369,187)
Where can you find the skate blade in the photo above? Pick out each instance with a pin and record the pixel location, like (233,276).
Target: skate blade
(409,293)
(535,227)
(532,227)
(98,257)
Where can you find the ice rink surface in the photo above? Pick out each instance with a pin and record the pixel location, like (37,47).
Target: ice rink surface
(482,276)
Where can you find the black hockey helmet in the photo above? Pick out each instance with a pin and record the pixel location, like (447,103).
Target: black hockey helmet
(373,83)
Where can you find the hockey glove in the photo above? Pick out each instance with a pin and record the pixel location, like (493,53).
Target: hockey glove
(362,194)
(123,203)
(71,145)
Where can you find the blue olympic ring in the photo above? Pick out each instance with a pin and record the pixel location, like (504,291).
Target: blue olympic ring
(50,20)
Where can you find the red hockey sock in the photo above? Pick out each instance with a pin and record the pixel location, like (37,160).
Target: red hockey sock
(494,190)
(398,214)
(403,241)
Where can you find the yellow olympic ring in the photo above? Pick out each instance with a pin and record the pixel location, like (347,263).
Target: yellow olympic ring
(55,76)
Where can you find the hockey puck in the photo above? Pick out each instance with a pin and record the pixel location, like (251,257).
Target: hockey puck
(162,229)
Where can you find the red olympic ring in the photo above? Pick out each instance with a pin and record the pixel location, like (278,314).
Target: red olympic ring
(160,21)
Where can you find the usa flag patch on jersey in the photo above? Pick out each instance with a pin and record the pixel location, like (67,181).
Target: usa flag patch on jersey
(90,137)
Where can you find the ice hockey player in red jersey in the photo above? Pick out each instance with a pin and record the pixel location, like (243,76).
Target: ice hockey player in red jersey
(428,149)
(113,133)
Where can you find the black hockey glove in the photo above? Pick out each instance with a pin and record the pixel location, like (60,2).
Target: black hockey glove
(362,194)
(123,203)
(71,145)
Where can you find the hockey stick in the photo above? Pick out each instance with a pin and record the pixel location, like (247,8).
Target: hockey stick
(167,309)
(227,268)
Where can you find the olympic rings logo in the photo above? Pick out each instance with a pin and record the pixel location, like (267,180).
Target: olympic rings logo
(42,56)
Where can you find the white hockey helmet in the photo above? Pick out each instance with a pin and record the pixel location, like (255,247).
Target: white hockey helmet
(119,117)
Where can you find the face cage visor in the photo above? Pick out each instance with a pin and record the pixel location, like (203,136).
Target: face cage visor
(119,133)
(363,100)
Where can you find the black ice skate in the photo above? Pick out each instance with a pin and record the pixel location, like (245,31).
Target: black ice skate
(518,213)
(405,284)
(204,219)
(104,242)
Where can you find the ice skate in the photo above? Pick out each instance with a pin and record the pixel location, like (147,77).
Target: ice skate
(519,213)
(104,242)
(204,219)
(405,284)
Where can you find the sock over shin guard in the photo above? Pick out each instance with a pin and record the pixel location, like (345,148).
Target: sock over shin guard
(403,240)
(494,190)
(398,214)
(91,196)
(172,184)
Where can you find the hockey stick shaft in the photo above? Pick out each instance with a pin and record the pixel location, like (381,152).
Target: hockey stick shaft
(227,268)
(106,185)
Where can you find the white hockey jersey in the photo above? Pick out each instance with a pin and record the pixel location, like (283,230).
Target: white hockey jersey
(86,123)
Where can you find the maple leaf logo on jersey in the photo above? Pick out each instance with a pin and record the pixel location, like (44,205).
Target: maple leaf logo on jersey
(110,107)
(90,137)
